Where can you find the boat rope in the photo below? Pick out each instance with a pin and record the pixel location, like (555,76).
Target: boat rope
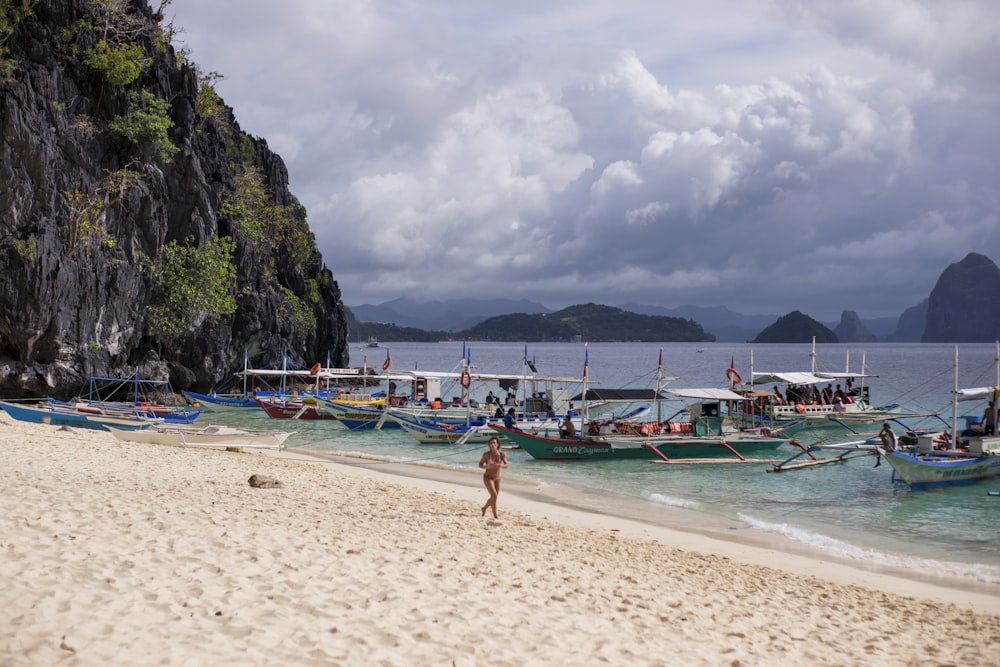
(367,462)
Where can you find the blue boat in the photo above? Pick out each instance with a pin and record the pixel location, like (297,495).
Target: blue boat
(46,413)
(220,401)
(961,456)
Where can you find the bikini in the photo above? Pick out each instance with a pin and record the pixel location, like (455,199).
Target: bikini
(494,460)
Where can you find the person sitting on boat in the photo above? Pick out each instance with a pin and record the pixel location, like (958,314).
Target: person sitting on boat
(778,399)
(510,419)
(943,441)
(566,429)
(888,437)
(436,403)
(499,412)
(838,405)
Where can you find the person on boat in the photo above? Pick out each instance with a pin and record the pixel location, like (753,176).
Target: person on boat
(499,412)
(490,398)
(566,429)
(436,403)
(491,462)
(990,419)
(778,398)
(838,405)
(888,437)
(510,419)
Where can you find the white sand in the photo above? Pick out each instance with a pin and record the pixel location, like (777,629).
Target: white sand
(127,554)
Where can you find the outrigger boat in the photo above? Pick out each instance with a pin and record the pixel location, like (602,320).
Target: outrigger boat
(46,413)
(211,436)
(852,410)
(960,456)
(708,433)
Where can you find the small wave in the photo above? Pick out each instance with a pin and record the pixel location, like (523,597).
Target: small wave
(672,501)
(982,573)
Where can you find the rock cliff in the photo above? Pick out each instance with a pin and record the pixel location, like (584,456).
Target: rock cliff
(140,228)
(851,330)
(910,327)
(796,327)
(963,306)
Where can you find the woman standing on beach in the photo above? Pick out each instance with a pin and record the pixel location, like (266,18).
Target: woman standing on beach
(491,462)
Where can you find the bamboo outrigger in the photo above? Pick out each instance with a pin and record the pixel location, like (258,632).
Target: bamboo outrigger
(848,450)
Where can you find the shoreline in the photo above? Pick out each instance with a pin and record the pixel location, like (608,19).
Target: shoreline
(125,553)
(685,528)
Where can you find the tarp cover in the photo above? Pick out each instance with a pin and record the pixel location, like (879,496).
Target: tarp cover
(625,395)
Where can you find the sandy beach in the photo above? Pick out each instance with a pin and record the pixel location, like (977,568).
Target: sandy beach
(129,554)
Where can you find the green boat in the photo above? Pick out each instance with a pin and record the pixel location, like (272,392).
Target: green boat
(708,433)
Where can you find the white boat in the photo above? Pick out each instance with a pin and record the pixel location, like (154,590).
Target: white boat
(851,408)
(960,456)
(221,437)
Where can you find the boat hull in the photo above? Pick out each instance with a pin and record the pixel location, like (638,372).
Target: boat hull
(445,434)
(294,411)
(601,449)
(220,437)
(221,401)
(927,471)
(57,417)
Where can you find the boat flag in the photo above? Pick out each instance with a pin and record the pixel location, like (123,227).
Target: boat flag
(659,363)
(586,358)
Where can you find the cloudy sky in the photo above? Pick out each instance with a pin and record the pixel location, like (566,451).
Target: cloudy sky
(767,156)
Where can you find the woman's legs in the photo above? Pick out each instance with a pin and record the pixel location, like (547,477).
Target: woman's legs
(493,486)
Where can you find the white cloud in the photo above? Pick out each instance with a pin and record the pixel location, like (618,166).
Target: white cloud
(641,151)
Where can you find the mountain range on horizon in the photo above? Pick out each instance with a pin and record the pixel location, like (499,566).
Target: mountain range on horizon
(960,308)
(461,314)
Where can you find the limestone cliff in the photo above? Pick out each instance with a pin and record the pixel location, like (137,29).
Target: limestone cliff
(851,330)
(140,228)
(964,306)
(910,327)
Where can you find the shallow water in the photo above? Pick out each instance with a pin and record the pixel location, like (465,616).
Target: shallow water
(850,510)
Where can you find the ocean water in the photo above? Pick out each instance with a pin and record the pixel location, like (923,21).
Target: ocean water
(850,511)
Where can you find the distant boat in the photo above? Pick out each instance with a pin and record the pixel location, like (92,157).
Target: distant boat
(372,342)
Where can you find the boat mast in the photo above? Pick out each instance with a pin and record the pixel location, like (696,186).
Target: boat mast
(659,382)
(812,357)
(954,405)
(585,413)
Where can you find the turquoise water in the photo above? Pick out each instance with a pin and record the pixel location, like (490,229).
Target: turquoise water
(853,510)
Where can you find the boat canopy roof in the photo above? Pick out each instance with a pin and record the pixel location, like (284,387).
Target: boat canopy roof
(707,393)
(804,378)
(978,394)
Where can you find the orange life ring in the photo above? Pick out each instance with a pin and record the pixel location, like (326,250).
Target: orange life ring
(466,379)
(734,376)
(386,364)
(315,368)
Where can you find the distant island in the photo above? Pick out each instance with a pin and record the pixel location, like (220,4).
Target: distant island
(587,322)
